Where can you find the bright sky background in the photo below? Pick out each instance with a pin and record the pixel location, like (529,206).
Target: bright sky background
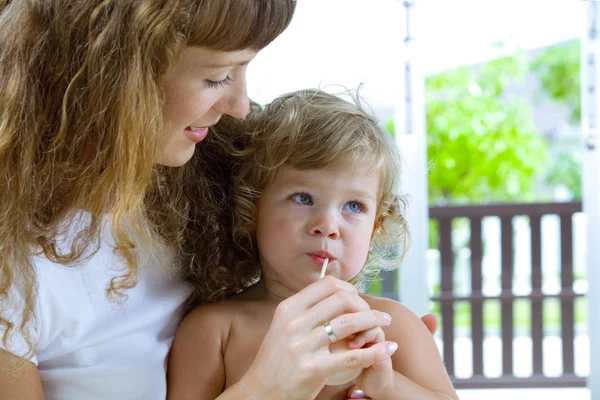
(352,41)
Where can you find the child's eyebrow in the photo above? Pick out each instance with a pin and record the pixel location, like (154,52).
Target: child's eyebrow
(363,194)
(297,181)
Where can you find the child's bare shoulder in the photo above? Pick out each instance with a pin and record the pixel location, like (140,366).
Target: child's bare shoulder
(207,323)
(404,321)
(387,305)
(218,318)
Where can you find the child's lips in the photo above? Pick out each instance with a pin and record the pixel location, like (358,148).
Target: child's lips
(319,258)
(323,254)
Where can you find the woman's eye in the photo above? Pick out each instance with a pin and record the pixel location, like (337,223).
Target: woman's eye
(354,206)
(302,198)
(219,84)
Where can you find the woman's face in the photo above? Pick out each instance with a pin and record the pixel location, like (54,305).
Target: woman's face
(204,85)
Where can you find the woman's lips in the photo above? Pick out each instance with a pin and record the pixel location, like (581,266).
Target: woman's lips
(196,135)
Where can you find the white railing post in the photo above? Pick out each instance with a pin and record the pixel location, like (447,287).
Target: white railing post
(590,128)
(410,136)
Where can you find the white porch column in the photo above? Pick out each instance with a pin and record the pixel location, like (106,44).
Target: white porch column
(590,124)
(410,136)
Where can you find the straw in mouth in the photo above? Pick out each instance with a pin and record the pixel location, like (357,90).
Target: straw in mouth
(324,268)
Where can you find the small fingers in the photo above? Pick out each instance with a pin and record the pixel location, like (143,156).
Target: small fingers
(371,336)
(359,358)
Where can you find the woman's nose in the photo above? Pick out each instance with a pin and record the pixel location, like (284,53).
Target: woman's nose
(235,100)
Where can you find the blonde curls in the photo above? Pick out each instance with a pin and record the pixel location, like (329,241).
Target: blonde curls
(80,122)
(308,129)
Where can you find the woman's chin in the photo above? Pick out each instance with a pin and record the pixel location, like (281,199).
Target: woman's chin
(175,158)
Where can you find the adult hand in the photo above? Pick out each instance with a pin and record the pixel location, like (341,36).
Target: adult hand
(294,360)
(430,322)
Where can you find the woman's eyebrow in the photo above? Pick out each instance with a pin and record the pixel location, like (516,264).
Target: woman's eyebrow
(217,65)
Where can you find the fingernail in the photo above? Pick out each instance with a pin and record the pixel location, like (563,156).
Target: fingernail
(391,347)
(387,316)
(357,394)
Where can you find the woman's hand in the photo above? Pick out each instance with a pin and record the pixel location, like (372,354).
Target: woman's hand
(294,360)
(355,392)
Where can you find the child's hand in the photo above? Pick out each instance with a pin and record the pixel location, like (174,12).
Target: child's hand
(378,377)
(355,392)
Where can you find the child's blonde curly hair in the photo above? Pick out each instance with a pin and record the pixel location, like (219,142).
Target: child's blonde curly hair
(311,129)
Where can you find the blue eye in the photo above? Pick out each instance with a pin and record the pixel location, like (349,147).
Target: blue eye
(302,198)
(354,207)
(219,84)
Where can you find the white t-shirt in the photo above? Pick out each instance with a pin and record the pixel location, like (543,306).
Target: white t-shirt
(91,348)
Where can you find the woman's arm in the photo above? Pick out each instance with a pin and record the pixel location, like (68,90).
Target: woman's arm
(196,369)
(19,380)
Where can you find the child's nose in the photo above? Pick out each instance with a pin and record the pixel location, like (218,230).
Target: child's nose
(325,225)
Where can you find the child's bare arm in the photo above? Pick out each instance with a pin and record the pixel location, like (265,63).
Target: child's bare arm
(196,368)
(419,372)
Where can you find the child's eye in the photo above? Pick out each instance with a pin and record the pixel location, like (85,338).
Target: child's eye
(219,84)
(354,207)
(302,198)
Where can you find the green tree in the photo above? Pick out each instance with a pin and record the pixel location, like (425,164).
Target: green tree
(559,72)
(482,145)
(566,171)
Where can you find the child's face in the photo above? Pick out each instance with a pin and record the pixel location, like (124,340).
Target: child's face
(305,212)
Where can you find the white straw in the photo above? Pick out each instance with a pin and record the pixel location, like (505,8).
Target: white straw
(324,268)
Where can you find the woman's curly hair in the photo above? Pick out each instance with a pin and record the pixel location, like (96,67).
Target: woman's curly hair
(81,107)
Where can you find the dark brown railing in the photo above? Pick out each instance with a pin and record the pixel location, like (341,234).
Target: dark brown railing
(447,298)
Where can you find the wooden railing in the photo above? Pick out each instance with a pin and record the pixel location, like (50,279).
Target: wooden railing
(447,296)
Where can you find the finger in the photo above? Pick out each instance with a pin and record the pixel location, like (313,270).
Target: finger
(351,326)
(382,366)
(291,323)
(355,393)
(313,294)
(430,322)
(371,336)
(339,303)
(355,359)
